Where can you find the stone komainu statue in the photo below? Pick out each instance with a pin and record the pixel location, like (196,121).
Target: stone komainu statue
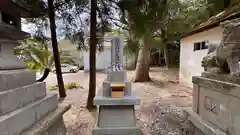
(224,58)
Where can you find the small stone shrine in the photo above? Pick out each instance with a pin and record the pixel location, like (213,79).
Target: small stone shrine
(216,93)
(115,101)
(25,107)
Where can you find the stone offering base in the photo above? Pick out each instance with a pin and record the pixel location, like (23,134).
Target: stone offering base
(215,109)
(222,77)
(132,99)
(197,126)
(52,124)
(116,120)
(116,115)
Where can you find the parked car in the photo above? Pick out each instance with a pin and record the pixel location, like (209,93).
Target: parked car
(66,68)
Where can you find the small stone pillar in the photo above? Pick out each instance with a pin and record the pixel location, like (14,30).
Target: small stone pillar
(25,106)
(116,113)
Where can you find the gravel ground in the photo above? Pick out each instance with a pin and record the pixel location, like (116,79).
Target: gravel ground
(158,114)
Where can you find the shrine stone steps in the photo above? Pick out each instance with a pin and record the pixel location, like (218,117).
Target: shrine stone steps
(10,79)
(21,119)
(15,98)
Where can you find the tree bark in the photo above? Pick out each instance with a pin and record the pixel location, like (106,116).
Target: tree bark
(131,62)
(166,56)
(92,56)
(142,68)
(135,61)
(159,58)
(51,14)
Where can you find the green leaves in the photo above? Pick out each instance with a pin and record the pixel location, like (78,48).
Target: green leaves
(37,56)
(132,47)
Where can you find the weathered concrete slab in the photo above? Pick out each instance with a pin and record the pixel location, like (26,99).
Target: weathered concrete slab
(116,116)
(52,124)
(225,109)
(218,103)
(11,63)
(126,100)
(116,101)
(117,131)
(195,98)
(10,79)
(7,58)
(206,127)
(221,86)
(17,121)
(222,77)
(19,97)
(116,120)
(117,76)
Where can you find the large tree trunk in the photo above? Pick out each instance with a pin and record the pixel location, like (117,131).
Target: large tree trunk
(142,68)
(51,14)
(92,56)
(159,57)
(135,61)
(166,56)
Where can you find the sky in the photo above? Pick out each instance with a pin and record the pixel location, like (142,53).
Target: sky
(30,28)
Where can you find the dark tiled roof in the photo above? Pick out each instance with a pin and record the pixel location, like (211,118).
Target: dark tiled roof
(228,14)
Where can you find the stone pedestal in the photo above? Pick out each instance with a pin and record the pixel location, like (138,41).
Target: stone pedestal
(115,101)
(216,102)
(116,116)
(24,103)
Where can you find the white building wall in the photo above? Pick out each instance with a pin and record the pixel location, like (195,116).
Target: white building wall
(103,59)
(190,61)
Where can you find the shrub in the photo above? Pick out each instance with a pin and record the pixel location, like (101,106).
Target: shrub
(72,85)
(53,88)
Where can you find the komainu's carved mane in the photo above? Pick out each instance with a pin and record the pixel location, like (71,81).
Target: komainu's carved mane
(224,58)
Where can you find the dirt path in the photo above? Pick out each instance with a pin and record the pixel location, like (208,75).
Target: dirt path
(158,98)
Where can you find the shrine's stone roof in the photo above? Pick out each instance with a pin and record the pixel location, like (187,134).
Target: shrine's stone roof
(228,14)
(21,7)
(9,32)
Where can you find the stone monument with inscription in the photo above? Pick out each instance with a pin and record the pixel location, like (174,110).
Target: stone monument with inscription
(216,93)
(115,101)
(25,106)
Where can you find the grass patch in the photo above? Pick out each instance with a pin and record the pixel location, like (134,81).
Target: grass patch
(53,88)
(69,86)
(72,85)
